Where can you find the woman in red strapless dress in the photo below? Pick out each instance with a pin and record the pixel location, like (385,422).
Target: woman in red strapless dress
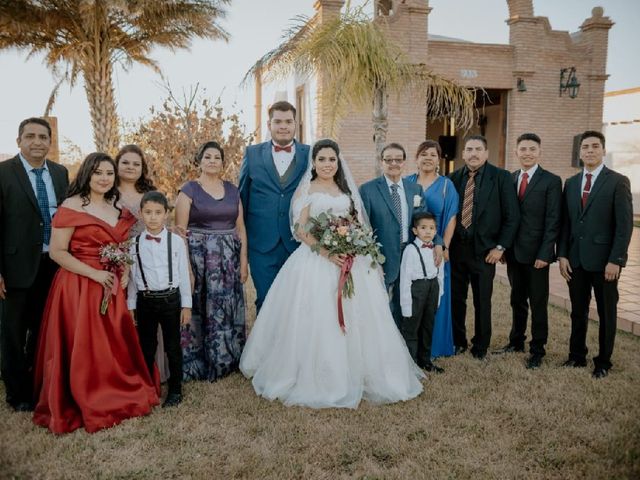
(89,369)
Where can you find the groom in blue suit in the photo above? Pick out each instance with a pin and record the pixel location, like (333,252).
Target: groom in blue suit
(269,175)
(391,202)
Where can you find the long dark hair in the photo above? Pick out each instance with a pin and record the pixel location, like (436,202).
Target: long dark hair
(144,183)
(80,185)
(338,177)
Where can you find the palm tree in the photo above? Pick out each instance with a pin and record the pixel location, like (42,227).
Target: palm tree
(88,37)
(358,66)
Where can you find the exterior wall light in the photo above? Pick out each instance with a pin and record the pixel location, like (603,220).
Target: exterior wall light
(569,82)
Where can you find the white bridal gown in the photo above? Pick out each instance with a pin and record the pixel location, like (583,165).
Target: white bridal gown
(296,351)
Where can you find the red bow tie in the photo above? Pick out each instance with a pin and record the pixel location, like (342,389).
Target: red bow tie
(151,237)
(278,148)
(427,245)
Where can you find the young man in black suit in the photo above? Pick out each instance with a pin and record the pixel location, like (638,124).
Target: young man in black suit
(31,188)
(595,236)
(487,223)
(539,198)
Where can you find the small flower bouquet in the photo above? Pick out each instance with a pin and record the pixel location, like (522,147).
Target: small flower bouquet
(115,257)
(344,235)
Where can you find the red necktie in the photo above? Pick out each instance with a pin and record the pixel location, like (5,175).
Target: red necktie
(151,237)
(427,245)
(587,189)
(278,148)
(523,185)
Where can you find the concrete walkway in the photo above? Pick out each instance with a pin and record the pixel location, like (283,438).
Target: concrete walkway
(628,286)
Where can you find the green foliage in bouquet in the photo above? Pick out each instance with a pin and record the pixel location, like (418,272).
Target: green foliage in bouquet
(344,235)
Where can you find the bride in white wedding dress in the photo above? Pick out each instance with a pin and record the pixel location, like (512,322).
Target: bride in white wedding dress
(296,351)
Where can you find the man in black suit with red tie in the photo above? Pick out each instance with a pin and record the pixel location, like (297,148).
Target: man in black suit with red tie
(487,223)
(595,236)
(539,198)
(31,188)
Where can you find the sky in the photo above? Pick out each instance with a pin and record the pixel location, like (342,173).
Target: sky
(256,26)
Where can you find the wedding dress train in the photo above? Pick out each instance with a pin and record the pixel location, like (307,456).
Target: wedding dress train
(296,351)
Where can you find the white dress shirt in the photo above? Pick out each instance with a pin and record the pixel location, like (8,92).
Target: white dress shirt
(594,175)
(411,269)
(156,268)
(529,172)
(404,208)
(283,159)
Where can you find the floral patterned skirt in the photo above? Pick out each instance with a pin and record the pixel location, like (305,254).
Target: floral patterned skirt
(212,344)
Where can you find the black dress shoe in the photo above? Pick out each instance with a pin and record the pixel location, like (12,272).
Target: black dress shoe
(508,349)
(430,367)
(459,350)
(479,355)
(534,362)
(600,372)
(574,363)
(172,400)
(23,407)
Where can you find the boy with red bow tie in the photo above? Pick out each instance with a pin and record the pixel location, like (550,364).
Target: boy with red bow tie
(159,290)
(421,285)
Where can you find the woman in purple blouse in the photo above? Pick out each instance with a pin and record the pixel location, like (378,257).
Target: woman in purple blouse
(209,209)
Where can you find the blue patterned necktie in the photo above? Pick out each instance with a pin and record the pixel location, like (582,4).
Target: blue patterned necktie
(43,203)
(397,206)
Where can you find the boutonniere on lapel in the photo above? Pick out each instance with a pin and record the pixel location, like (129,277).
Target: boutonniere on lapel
(417,201)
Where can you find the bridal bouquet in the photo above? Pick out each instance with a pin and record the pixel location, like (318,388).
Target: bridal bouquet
(344,235)
(115,257)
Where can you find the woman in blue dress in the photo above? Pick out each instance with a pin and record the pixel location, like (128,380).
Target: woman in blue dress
(442,200)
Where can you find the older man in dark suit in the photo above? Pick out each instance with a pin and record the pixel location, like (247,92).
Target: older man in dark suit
(539,194)
(31,188)
(487,223)
(595,236)
(390,202)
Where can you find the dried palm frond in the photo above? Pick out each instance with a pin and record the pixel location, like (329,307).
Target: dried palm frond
(355,57)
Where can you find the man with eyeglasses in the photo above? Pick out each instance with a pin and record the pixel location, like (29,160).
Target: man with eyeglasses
(488,218)
(390,202)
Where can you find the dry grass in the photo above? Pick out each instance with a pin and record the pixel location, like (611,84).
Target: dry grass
(491,419)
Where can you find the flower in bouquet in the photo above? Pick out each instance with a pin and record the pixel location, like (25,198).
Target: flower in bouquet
(114,257)
(344,235)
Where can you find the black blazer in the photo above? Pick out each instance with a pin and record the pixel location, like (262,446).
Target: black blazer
(540,214)
(600,233)
(495,211)
(21,226)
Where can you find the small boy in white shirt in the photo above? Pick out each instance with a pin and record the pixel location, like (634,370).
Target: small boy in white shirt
(421,285)
(159,289)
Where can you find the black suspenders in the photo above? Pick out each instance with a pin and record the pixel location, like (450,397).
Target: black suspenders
(424,269)
(144,279)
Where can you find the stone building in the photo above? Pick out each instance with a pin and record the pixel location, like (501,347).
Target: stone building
(519,88)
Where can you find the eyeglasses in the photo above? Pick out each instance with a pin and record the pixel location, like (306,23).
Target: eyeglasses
(397,161)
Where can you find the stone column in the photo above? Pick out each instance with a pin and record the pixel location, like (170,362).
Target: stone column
(595,35)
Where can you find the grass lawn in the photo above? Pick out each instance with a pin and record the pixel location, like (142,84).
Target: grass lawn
(480,419)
